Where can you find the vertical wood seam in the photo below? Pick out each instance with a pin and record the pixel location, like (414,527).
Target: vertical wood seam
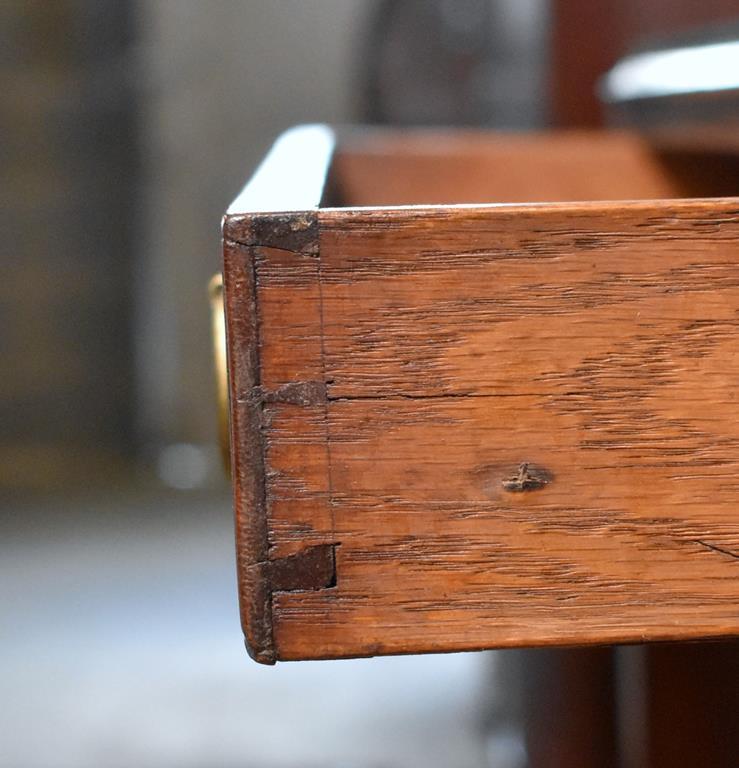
(326,393)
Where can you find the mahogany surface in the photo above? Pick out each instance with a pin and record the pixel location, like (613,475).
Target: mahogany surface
(466,427)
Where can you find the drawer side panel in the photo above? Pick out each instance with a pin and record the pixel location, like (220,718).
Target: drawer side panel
(530,425)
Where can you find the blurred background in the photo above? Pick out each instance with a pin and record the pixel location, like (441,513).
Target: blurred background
(127,127)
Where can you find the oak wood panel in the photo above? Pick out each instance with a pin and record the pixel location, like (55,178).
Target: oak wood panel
(478,300)
(594,343)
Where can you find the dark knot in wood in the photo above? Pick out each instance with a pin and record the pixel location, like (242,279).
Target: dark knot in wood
(528,478)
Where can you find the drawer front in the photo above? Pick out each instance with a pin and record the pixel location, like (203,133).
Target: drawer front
(482,427)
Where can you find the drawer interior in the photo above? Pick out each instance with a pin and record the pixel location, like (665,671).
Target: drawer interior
(433,167)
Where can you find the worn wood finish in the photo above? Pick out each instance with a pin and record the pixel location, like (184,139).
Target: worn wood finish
(485,426)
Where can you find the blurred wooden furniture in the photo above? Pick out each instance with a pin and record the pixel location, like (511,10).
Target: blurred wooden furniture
(482,426)
(589,38)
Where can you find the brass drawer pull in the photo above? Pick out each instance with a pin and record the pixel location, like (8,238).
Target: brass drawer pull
(218,329)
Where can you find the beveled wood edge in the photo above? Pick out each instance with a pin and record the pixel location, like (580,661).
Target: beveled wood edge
(292,175)
(331,216)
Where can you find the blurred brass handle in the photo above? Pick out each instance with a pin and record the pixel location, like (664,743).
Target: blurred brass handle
(218,329)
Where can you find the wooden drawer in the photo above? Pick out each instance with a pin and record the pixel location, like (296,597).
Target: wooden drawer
(458,427)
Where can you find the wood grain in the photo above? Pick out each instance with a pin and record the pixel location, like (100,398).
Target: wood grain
(470,427)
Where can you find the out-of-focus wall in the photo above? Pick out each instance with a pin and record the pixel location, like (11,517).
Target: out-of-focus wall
(219,80)
(68,174)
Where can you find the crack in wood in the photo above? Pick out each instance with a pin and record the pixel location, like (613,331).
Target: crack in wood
(714,548)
